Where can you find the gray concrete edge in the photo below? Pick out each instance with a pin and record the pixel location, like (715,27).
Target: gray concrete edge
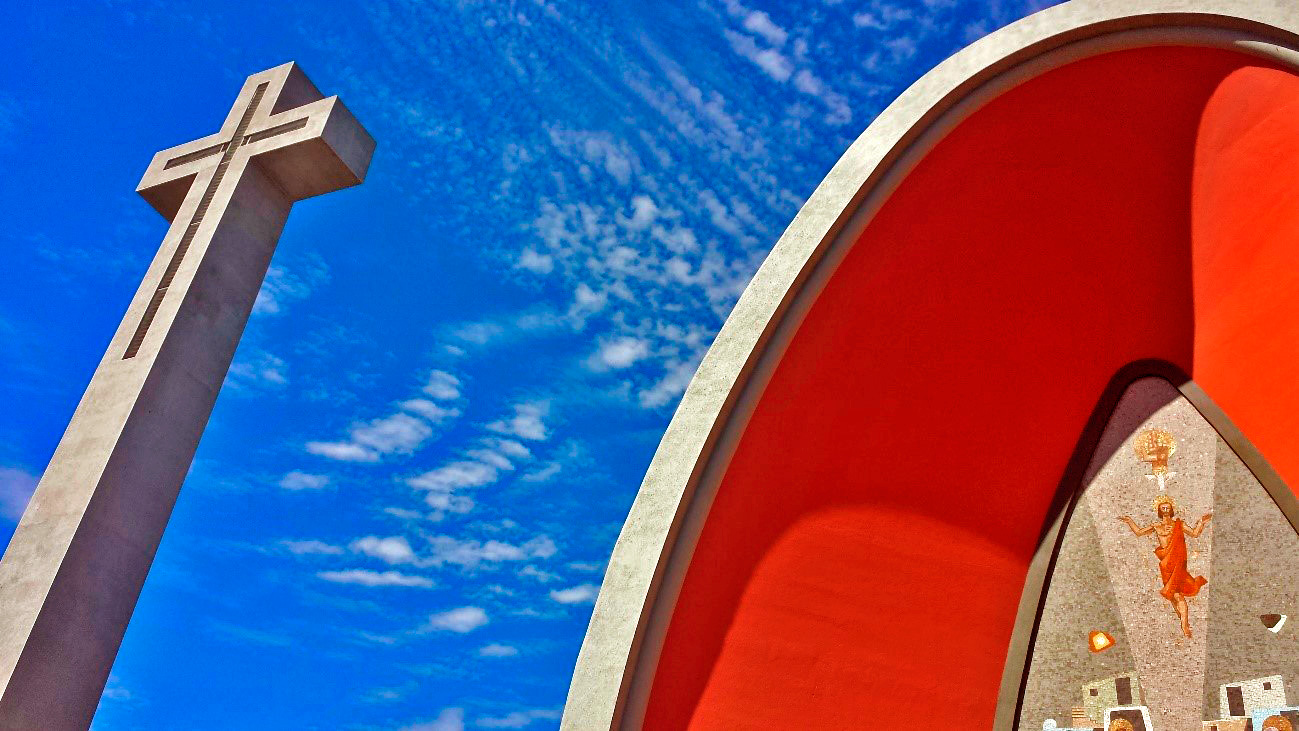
(619,654)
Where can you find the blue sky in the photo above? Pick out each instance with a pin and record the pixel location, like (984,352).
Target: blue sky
(457,372)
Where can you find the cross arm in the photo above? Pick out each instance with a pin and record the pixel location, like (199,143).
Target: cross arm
(313,149)
(307,144)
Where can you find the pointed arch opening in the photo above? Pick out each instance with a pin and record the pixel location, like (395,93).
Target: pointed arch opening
(1166,598)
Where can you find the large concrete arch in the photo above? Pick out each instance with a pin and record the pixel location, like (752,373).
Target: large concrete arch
(616,667)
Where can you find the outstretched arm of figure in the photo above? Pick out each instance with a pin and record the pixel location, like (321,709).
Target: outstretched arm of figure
(1136,529)
(1199,526)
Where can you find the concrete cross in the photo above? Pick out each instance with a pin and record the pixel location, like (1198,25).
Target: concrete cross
(72,573)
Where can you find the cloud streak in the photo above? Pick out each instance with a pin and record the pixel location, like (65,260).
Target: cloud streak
(580,594)
(460,620)
(299,480)
(366,577)
(401,433)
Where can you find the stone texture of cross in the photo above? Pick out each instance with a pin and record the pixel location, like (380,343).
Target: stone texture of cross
(72,573)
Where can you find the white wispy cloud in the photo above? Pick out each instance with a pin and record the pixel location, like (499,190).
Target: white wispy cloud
(443,485)
(469,553)
(498,650)
(454,476)
(298,480)
(450,719)
(343,451)
(385,695)
(442,386)
(378,639)
(509,448)
(672,384)
(309,547)
(757,25)
(258,368)
(115,691)
(772,62)
(398,433)
(440,550)
(516,719)
(393,549)
(839,111)
(567,454)
(580,594)
(366,577)
(460,620)
(644,213)
(619,353)
(881,15)
(16,487)
(600,149)
(431,411)
(641,275)
(535,262)
(404,513)
(490,457)
(533,572)
(282,286)
(526,423)
(511,328)
(761,23)
(478,333)
(543,473)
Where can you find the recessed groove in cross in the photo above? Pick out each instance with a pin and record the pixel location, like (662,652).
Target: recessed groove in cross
(173,266)
(196,155)
(276,130)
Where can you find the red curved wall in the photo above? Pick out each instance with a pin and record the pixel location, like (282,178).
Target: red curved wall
(865,555)
(1245,224)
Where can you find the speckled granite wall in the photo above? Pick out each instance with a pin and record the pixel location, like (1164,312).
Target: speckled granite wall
(1256,566)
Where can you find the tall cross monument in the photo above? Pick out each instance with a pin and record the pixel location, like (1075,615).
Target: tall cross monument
(74,568)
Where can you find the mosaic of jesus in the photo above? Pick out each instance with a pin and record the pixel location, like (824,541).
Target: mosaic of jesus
(1177,583)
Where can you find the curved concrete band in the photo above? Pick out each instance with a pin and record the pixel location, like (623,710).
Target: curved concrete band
(615,667)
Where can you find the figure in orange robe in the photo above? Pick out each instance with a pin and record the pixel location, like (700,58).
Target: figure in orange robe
(1171,534)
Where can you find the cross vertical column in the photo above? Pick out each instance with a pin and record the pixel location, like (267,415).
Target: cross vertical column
(73,571)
